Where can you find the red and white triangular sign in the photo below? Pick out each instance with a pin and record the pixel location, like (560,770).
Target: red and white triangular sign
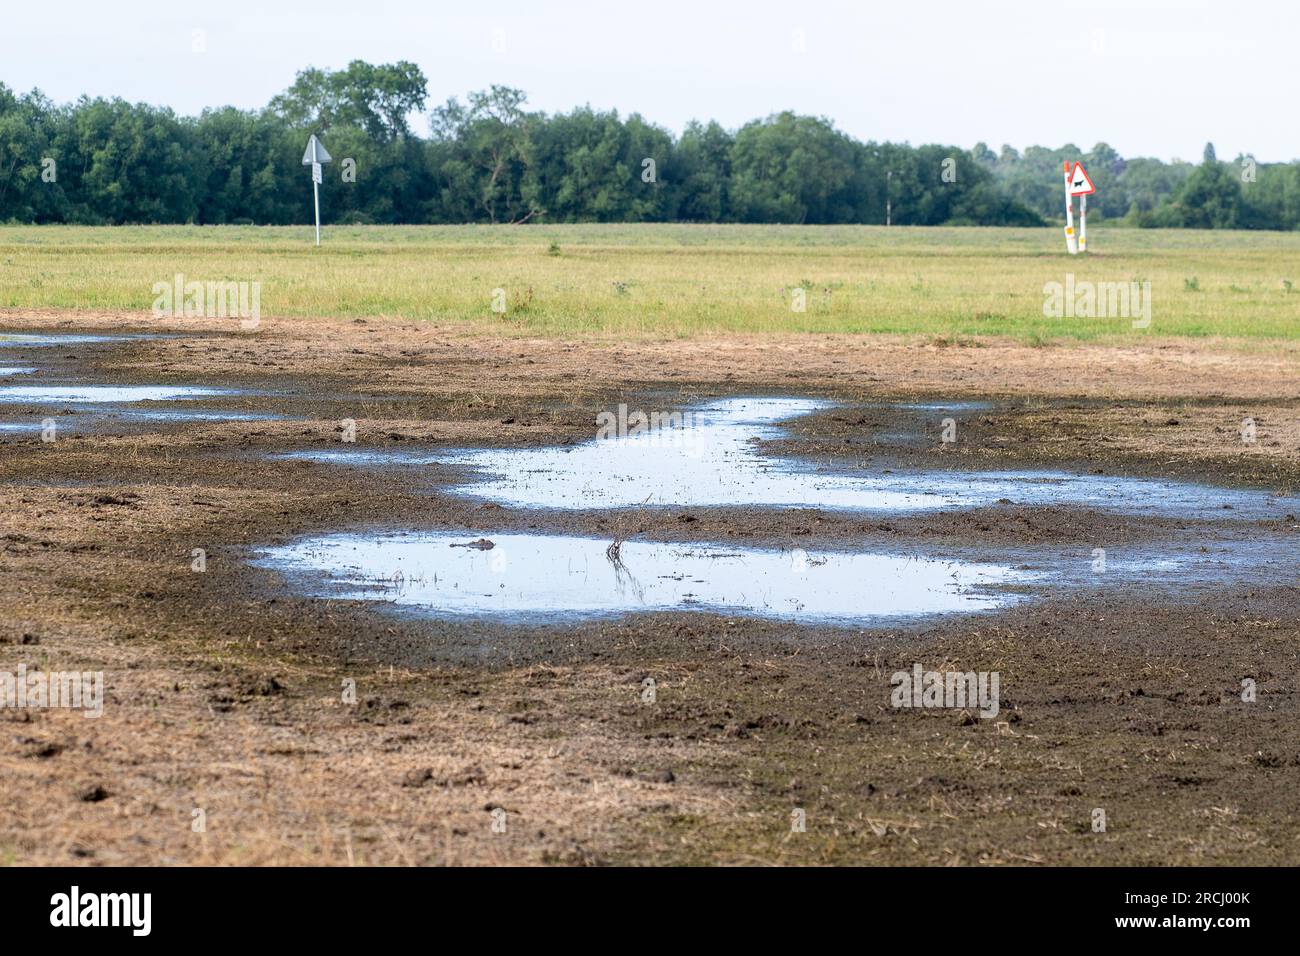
(1080,184)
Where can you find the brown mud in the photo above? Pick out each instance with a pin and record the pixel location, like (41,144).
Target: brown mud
(224,688)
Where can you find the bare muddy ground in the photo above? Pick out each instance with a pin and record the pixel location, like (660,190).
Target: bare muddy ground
(224,688)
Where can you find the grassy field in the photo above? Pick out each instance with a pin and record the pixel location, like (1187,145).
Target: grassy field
(681,279)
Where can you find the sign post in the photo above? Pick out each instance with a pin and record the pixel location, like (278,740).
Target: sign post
(1083,223)
(314,157)
(1077,183)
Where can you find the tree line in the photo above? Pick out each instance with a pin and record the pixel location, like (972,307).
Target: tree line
(1241,194)
(489,159)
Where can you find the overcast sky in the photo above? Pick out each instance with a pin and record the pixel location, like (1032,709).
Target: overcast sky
(1150,77)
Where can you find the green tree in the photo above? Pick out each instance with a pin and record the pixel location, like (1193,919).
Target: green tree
(482,158)
(124,163)
(376,99)
(250,168)
(789,168)
(24,144)
(1210,198)
(592,166)
(699,179)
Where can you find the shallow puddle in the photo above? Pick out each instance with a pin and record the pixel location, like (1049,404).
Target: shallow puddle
(106,417)
(557,576)
(97,394)
(16,339)
(198,415)
(549,577)
(5,372)
(709,457)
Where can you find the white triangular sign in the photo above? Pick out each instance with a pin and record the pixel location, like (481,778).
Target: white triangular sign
(315,152)
(1080,184)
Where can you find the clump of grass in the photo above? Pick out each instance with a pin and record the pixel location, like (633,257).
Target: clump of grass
(553,249)
(522,302)
(615,556)
(1192,285)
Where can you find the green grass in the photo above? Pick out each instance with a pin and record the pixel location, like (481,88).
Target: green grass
(679,279)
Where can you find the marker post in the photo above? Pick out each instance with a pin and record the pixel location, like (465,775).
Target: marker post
(1071,243)
(1083,223)
(1077,183)
(314,157)
(315,195)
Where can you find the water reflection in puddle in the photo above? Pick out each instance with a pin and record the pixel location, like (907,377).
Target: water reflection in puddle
(15,339)
(710,458)
(118,404)
(186,415)
(106,417)
(6,371)
(555,576)
(96,394)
